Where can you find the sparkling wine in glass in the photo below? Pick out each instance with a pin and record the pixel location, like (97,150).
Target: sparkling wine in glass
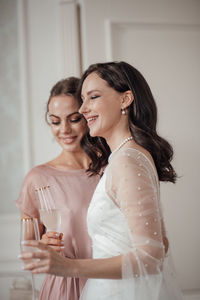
(29,230)
(49,215)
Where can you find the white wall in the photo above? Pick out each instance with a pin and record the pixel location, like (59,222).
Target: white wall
(10,121)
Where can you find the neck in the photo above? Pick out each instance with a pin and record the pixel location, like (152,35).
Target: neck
(115,140)
(118,133)
(72,160)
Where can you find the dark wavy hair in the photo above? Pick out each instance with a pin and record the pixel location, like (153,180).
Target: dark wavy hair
(142,113)
(97,149)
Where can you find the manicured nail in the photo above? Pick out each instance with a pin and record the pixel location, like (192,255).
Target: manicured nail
(57,234)
(62,247)
(19,256)
(23,242)
(62,242)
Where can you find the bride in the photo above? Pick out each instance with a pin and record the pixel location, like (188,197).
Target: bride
(124,218)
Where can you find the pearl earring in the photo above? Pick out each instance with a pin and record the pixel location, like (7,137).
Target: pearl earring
(123,111)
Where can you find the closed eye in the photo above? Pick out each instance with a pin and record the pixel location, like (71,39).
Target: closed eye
(94,96)
(76,120)
(55,123)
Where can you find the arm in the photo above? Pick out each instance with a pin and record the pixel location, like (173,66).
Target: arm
(53,263)
(135,189)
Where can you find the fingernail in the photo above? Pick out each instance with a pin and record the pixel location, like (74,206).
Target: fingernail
(62,242)
(57,234)
(19,256)
(62,247)
(23,242)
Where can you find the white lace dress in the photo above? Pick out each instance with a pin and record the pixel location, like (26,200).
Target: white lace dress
(125,218)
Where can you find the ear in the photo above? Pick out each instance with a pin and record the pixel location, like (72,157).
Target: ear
(127,99)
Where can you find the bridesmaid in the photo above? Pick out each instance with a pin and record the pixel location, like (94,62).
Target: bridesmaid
(72,186)
(124,217)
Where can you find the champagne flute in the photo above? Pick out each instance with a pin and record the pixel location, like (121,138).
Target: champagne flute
(49,214)
(29,231)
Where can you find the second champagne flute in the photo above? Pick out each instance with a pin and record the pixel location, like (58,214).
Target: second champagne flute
(49,214)
(29,230)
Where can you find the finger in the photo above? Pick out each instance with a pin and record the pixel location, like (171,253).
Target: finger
(40,270)
(57,248)
(53,234)
(36,244)
(52,241)
(34,265)
(31,255)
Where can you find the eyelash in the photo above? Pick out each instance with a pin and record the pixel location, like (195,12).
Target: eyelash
(76,120)
(71,121)
(94,97)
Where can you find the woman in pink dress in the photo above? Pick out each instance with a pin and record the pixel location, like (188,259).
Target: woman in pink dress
(68,176)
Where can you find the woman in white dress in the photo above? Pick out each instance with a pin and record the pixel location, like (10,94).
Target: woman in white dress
(124,218)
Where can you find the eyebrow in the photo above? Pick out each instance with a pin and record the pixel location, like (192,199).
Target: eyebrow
(90,92)
(76,112)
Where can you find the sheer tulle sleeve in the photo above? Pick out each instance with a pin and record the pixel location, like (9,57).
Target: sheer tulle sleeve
(132,183)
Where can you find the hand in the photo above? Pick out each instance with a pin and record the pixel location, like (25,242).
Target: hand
(46,261)
(54,240)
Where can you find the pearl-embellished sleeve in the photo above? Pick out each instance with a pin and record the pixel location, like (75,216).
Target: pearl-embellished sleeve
(132,183)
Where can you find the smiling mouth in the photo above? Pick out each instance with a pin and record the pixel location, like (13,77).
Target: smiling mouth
(68,140)
(91,120)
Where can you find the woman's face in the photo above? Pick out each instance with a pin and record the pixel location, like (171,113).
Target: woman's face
(67,124)
(101,106)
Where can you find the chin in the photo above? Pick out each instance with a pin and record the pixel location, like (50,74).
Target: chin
(71,147)
(96,133)
(93,133)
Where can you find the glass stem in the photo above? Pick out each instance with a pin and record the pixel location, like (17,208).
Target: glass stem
(34,297)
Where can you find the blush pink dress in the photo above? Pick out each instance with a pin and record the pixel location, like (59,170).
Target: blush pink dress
(72,191)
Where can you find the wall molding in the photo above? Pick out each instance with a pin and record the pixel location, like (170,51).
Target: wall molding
(111,25)
(69,38)
(25,94)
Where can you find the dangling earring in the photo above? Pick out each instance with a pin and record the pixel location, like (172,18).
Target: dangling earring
(123,111)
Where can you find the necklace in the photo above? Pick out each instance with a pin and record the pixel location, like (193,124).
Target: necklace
(121,144)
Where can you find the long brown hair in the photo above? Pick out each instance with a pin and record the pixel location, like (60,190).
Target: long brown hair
(142,113)
(97,149)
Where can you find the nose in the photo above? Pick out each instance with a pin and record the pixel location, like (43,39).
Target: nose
(83,108)
(65,127)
